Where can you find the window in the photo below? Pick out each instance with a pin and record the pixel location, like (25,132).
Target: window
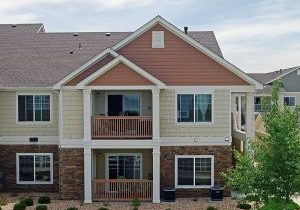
(127,166)
(194,171)
(158,40)
(262,103)
(124,104)
(34,168)
(289,101)
(194,108)
(34,108)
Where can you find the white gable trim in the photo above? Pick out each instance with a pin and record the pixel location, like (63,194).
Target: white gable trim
(296,68)
(113,63)
(191,41)
(85,66)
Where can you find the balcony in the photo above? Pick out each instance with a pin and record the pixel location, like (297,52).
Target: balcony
(121,189)
(121,127)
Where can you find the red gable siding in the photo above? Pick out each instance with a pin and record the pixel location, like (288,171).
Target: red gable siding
(178,63)
(90,70)
(120,75)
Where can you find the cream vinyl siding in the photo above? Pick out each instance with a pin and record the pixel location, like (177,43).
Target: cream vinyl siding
(72,114)
(219,127)
(8,117)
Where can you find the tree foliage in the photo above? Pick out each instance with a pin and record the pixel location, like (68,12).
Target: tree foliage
(271,167)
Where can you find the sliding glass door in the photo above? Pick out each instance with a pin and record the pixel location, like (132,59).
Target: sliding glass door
(124,104)
(124,166)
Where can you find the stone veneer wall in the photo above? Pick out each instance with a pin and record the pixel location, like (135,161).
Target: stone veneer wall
(222,158)
(71,173)
(8,166)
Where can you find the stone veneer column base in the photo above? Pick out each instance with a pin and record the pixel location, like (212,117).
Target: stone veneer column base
(222,157)
(71,173)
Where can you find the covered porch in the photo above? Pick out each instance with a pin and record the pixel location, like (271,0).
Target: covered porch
(122,174)
(121,114)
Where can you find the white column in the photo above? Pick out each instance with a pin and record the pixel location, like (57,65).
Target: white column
(87,175)
(249,117)
(239,124)
(87,114)
(155,115)
(156,174)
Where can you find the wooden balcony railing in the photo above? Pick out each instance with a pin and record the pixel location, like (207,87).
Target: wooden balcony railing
(121,189)
(121,127)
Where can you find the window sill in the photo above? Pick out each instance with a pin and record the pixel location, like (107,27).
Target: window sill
(194,123)
(33,123)
(193,187)
(35,183)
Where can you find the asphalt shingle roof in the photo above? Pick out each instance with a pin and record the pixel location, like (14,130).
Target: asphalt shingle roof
(31,59)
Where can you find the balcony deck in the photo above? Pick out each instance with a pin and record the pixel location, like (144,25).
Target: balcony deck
(121,127)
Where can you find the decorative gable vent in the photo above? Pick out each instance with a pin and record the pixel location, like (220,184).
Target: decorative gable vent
(158,39)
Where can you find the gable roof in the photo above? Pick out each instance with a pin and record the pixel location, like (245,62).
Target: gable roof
(113,63)
(31,59)
(10,29)
(159,20)
(267,78)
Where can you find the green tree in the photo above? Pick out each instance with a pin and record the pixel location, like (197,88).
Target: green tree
(272,166)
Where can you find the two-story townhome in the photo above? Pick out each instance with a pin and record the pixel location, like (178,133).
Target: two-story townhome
(120,115)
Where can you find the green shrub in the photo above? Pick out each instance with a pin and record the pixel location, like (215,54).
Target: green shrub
(244,206)
(72,208)
(41,207)
(3,200)
(135,202)
(211,208)
(0,208)
(103,208)
(19,206)
(27,201)
(279,204)
(44,200)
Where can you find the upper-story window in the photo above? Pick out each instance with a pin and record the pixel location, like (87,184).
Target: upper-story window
(34,108)
(194,108)
(158,39)
(289,101)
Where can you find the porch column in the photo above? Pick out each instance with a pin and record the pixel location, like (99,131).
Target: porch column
(87,175)
(155,114)
(156,174)
(87,114)
(249,117)
(239,125)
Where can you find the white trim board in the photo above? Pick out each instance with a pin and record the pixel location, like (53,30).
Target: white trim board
(196,141)
(88,64)
(113,63)
(24,140)
(191,41)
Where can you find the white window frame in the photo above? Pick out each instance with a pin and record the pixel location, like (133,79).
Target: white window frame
(33,94)
(195,93)
(195,186)
(289,100)
(34,182)
(161,43)
(122,154)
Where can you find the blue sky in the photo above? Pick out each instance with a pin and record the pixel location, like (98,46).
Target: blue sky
(256,35)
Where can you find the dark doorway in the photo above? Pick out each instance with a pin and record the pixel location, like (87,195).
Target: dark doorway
(115,103)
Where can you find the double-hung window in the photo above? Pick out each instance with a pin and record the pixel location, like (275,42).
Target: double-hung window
(194,108)
(194,171)
(36,168)
(34,108)
(289,101)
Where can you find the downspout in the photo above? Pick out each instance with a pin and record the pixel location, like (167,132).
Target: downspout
(60,135)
